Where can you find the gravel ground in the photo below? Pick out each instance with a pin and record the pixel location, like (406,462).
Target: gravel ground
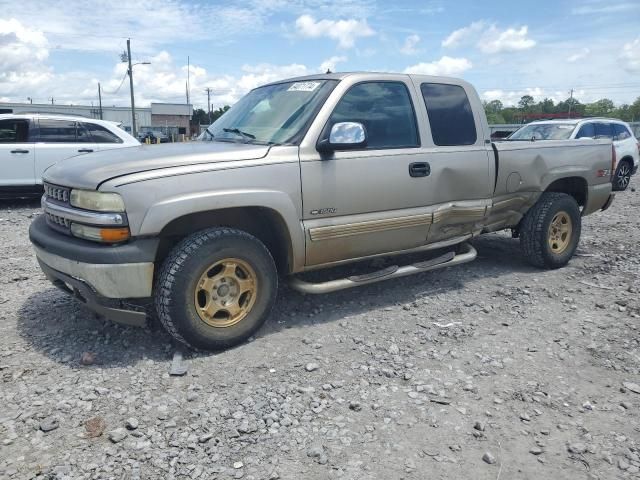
(487,370)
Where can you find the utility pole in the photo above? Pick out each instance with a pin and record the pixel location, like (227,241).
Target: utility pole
(51,100)
(100,100)
(570,101)
(188,86)
(133,104)
(208,90)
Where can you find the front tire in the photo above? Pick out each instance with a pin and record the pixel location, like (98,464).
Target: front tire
(622,176)
(550,231)
(216,288)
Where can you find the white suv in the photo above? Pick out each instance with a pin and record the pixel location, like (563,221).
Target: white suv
(626,145)
(30,143)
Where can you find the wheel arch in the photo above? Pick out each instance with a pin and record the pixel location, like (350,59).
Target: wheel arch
(264,223)
(575,186)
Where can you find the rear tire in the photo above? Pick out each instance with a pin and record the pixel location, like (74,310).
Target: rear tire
(550,231)
(622,177)
(216,288)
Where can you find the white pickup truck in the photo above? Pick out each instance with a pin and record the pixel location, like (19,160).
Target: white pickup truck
(303,174)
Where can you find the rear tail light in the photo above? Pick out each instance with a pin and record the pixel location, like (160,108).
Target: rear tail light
(613,160)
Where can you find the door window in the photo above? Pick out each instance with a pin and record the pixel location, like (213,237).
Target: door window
(620,132)
(14,131)
(385,110)
(100,134)
(58,131)
(586,131)
(604,130)
(82,135)
(450,114)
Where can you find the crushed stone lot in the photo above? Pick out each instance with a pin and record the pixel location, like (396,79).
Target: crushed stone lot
(489,370)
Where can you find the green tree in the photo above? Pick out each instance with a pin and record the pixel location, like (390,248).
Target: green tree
(602,108)
(546,106)
(571,105)
(216,114)
(635,110)
(199,117)
(526,101)
(494,106)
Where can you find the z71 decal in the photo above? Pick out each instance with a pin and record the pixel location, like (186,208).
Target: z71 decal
(322,211)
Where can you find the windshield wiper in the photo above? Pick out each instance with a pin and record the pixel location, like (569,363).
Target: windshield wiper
(239,132)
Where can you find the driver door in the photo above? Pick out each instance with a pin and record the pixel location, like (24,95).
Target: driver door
(370,200)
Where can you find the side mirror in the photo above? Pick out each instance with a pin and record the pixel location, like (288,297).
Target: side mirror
(344,136)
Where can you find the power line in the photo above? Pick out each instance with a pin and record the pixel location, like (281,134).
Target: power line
(119,86)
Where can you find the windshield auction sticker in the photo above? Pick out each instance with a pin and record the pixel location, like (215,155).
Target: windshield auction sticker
(303,87)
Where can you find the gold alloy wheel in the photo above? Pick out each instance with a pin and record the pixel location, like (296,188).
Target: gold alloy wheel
(560,231)
(226,292)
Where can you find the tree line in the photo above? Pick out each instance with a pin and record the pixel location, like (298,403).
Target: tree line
(201,117)
(528,109)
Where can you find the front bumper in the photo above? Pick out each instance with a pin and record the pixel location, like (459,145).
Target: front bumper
(131,314)
(108,278)
(635,169)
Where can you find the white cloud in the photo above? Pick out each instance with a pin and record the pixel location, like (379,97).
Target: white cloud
(22,54)
(509,40)
(344,31)
(410,44)
(490,39)
(444,66)
(630,56)
(460,36)
(99,26)
(580,55)
(599,7)
(330,63)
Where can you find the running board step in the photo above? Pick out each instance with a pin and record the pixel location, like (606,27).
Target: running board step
(467,254)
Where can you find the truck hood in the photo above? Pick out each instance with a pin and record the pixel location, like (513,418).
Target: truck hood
(89,171)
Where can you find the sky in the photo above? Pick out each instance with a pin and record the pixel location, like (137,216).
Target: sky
(62,49)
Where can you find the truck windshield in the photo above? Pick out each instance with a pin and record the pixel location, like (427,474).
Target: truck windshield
(273,114)
(544,131)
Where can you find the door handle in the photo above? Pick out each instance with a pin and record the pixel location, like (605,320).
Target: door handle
(19,151)
(85,150)
(419,169)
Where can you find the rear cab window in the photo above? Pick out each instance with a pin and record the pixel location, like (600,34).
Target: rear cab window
(386,111)
(450,114)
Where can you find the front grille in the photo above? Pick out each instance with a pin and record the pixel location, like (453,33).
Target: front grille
(58,221)
(59,194)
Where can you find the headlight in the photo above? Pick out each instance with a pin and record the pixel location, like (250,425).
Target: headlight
(100,234)
(97,201)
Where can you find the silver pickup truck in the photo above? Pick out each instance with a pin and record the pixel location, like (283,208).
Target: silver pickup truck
(304,174)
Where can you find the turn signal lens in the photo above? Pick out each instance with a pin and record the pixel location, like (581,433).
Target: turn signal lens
(114,235)
(97,234)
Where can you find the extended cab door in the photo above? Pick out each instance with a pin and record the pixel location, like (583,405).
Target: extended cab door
(59,139)
(365,201)
(459,152)
(16,153)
